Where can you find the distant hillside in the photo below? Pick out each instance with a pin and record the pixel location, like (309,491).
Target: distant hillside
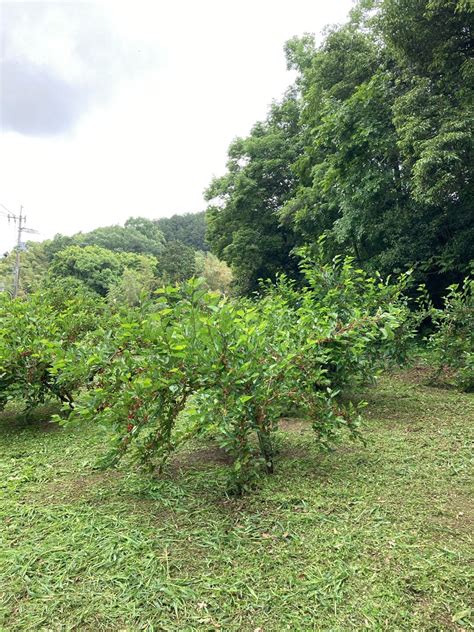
(172,249)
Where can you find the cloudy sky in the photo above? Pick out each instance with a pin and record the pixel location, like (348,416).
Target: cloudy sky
(110,109)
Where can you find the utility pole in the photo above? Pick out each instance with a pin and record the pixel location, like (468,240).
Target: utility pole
(16,272)
(21,219)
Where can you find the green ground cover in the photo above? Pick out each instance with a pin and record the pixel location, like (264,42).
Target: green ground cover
(367,537)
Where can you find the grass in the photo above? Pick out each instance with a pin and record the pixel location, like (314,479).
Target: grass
(374,537)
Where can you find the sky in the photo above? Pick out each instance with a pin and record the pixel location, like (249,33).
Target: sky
(112,109)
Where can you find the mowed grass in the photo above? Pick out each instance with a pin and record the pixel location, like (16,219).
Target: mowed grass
(375,537)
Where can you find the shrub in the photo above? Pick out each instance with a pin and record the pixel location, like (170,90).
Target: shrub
(452,344)
(35,334)
(193,362)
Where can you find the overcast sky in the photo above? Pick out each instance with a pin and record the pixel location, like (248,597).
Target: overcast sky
(113,109)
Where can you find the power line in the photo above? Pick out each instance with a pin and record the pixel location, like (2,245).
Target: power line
(6,209)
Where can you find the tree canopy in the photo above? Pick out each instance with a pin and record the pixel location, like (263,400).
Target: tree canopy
(371,149)
(189,229)
(243,225)
(98,268)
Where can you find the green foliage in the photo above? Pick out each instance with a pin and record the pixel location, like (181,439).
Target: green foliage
(192,362)
(133,286)
(98,268)
(146,227)
(59,242)
(431,42)
(372,148)
(103,259)
(386,174)
(35,334)
(129,238)
(243,225)
(216,273)
(34,262)
(189,229)
(176,263)
(452,344)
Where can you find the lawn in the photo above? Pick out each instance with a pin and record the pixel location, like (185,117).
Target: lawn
(371,537)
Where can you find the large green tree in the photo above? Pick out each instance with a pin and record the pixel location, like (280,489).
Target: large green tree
(372,149)
(432,45)
(243,224)
(387,170)
(97,268)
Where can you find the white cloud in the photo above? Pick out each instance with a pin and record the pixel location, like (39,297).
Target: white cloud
(186,79)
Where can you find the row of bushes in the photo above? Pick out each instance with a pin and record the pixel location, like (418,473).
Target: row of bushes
(191,362)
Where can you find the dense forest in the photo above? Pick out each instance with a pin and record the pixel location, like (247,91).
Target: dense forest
(370,150)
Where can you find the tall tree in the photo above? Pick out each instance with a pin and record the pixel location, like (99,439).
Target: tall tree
(243,224)
(432,43)
(387,170)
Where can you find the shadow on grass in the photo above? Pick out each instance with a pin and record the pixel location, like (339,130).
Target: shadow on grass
(38,418)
